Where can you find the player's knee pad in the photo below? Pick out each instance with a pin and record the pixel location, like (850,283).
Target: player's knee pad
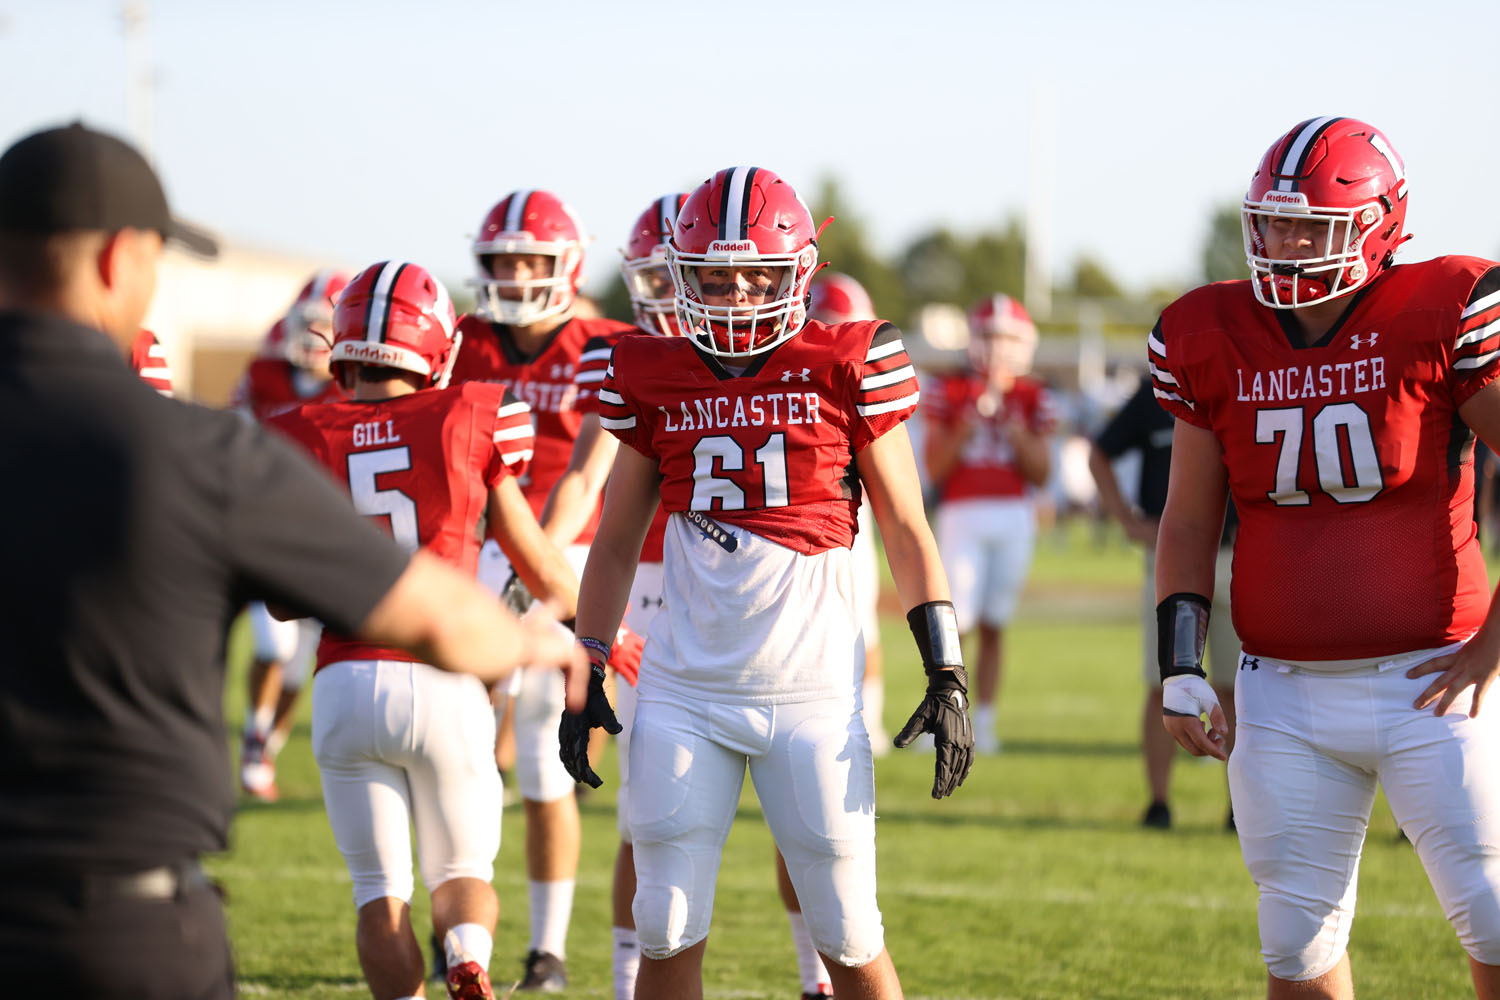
(837,895)
(1300,939)
(370,884)
(539,707)
(669,916)
(1476,915)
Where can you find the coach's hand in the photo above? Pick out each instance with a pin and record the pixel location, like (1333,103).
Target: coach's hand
(944,713)
(1185,699)
(573,730)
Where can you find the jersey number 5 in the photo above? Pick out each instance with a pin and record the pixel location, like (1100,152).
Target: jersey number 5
(722,453)
(372,501)
(1335,423)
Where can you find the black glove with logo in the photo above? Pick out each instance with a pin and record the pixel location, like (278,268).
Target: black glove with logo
(944,711)
(573,731)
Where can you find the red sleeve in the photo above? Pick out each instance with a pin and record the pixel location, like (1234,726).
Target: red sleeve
(149,360)
(887,392)
(1475,361)
(513,436)
(593,365)
(1169,379)
(616,415)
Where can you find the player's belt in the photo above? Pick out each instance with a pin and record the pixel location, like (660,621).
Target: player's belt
(160,883)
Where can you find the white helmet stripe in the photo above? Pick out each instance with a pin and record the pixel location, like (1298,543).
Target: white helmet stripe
(1292,160)
(441,308)
(380,301)
(736,194)
(1383,148)
(516,213)
(667,212)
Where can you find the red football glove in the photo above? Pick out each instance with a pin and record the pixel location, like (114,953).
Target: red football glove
(625,654)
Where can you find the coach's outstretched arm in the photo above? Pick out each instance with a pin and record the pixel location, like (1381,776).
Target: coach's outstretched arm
(445,618)
(889,472)
(1187,542)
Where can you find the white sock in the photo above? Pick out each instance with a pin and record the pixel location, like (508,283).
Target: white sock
(984,719)
(809,963)
(258,721)
(468,942)
(551,909)
(627,962)
(275,740)
(874,705)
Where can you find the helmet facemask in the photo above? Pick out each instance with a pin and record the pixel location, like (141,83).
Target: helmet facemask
(746,329)
(652,294)
(531,300)
(1337,237)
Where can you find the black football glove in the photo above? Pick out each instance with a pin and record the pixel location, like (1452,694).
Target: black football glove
(573,730)
(944,713)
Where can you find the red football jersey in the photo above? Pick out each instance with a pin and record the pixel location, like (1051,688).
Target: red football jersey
(593,366)
(274,385)
(986,466)
(1350,469)
(545,381)
(771,450)
(148,359)
(421,466)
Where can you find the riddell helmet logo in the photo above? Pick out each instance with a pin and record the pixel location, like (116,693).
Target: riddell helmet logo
(731,246)
(1284,198)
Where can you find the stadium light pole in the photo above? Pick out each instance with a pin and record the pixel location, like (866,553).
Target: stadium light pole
(1039,202)
(139,77)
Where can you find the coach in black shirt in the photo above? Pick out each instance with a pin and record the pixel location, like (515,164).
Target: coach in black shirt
(132,529)
(1143,426)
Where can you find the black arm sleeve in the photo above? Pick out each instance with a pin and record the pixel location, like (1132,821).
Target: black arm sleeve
(296,539)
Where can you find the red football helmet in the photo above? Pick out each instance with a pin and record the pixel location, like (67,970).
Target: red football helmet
(743,235)
(1001,336)
(396,315)
(838,298)
(1342,175)
(532,223)
(647,277)
(307,328)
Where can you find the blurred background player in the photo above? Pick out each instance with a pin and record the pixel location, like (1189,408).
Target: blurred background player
(148,359)
(291,369)
(524,335)
(400,743)
(988,451)
(574,501)
(1144,427)
(758,630)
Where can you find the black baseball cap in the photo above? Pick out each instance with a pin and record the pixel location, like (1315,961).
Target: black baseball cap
(74,178)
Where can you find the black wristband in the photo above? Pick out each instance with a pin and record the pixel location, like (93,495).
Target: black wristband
(1181,633)
(935,627)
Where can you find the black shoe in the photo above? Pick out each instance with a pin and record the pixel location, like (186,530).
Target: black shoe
(1158,816)
(817,996)
(439,958)
(545,973)
(1229,826)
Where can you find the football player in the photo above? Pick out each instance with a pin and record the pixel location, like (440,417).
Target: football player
(1335,396)
(524,335)
(291,369)
(400,743)
(148,359)
(988,452)
(757,432)
(573,503)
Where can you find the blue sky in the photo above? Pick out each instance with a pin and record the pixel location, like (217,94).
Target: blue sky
(368,130)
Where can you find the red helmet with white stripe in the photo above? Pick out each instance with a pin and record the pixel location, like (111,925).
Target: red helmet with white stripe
(1002,336)
(396,315)
(530,255)
(743,253)
(1342,180)
(307,328)
(838,298)
(647,277)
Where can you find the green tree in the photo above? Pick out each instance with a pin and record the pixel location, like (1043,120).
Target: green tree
(1092,281)
(1224,250)
(845,246)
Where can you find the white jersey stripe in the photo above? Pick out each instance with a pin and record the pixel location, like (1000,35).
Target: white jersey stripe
(1162,375)
(608,396)
(513,409)
(1173,396)
(1479,333)
(611,424)
(599,354)
(588,378)
(1157,345)
(894,404)
(882,379)
(1488,302)
(512,457)
(512,433)
(885,350)
(1478,362)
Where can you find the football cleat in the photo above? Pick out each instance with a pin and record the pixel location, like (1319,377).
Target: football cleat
(469,981)
(257,772)
(545,973)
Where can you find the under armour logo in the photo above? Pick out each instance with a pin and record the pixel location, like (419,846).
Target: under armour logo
(1253,662)
(958,699)
(805,376)
(646,601)
(1354,341)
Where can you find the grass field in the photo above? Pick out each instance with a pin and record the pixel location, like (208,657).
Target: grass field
(1034,880)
